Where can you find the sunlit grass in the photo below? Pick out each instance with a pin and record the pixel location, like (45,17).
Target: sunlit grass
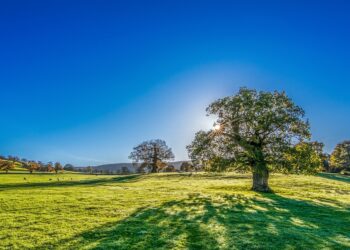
(172,211)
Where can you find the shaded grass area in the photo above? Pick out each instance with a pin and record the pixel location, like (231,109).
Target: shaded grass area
(63,180)
(336,177)
(227,222)
(174,211)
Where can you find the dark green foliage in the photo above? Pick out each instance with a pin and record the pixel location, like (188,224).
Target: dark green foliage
(220,164)
(68,167)
(303,158)
(58,167)
(340,157)
(186,167)
(169,169)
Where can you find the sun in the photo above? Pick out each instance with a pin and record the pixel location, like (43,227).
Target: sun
(217,127)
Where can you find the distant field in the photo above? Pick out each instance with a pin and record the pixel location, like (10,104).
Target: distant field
(173,211)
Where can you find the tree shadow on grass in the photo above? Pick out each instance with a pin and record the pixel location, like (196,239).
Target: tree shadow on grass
(59,181)
(222,222)
(335,177)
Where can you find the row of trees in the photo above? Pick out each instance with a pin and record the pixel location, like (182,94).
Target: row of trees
(93,170)
(10,162)
(338,161)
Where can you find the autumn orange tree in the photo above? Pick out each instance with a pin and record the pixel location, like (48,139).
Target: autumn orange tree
(6,165)
(32,166)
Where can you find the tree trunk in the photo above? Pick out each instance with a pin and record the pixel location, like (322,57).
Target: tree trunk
(154,168)
(261,178)
(155,160)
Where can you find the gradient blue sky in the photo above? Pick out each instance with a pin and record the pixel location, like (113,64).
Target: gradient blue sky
(85,81)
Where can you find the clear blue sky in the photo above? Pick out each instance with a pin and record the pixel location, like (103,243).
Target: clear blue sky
(85,81)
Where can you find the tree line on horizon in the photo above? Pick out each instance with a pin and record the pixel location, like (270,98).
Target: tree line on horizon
(10,162)
(256,131)
(336,162)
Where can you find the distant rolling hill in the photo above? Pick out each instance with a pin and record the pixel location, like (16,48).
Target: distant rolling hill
(117,167)
(114,167)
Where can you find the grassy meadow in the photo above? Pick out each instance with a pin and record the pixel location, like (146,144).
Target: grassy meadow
(173,211)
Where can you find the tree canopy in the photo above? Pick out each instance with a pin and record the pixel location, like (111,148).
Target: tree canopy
(152,154)
(58,167)
(254,130)
(340,157)
(32,166)
(6,165)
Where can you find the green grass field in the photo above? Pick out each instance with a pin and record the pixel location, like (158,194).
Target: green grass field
(173,211)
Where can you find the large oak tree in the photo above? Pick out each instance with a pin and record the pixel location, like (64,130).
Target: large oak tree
(254,130)
(152,154)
